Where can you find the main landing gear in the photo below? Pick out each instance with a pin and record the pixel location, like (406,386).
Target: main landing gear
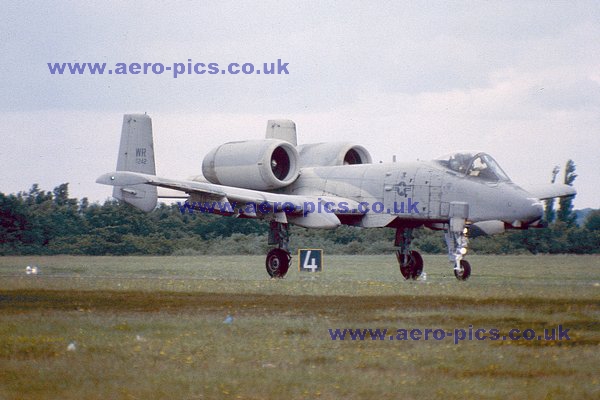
(278,259)
(411,262)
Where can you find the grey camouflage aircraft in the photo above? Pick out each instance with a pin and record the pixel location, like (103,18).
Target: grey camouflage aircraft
(325,185)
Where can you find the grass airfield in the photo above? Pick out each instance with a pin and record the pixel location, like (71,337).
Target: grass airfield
(152,328)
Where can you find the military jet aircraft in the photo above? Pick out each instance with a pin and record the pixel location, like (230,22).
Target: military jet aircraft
(325,185)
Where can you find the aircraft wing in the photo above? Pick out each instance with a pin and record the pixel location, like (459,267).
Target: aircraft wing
(308,211)
(550,190)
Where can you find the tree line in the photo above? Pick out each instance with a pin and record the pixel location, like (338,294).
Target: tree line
(38,222)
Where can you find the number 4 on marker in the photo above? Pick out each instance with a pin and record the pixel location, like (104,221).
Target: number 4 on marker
(312,266)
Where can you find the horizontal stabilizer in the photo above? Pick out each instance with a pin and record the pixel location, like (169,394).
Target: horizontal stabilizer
(122,178)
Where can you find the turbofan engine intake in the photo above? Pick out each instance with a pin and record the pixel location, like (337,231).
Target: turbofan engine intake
(331,154)
(252,164)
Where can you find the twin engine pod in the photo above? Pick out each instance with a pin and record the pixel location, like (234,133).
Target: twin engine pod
(330,154)
(252,164)
(272,163)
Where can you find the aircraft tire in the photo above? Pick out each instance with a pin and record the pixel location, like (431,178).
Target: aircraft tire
(465,272)
(277,263)
(411,268)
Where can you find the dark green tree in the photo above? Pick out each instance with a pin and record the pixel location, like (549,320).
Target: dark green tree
(549,213)
(565,212)
(592,222)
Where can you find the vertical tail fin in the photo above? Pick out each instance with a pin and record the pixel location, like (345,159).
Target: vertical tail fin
(136,154)
(282,129)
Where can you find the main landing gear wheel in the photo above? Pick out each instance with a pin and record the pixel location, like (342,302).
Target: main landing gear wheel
(411,265)
(277,263)
(464,272)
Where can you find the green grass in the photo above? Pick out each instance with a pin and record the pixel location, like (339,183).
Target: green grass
(152,327)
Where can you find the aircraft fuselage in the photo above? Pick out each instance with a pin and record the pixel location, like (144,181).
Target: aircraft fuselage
(398,186)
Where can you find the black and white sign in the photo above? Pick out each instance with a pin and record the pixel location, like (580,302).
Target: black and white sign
(310,260)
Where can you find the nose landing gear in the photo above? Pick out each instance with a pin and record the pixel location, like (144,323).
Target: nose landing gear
(457,241)
(464,271)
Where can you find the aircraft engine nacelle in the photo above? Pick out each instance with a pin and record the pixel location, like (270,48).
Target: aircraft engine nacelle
(252,164)
(330,154)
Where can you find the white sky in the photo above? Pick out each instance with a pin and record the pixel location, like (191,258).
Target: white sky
(520,80)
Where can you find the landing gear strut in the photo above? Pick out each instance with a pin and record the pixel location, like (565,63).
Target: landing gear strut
(457,241)
(411,262)
(278,259)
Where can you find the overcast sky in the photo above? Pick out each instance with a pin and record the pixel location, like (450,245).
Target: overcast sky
(519,80)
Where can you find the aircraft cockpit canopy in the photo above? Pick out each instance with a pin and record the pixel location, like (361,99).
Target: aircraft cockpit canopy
(479,166)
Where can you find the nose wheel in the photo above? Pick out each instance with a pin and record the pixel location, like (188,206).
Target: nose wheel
(463,272)
(457,241)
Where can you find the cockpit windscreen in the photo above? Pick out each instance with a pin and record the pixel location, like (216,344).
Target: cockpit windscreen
(479,166)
